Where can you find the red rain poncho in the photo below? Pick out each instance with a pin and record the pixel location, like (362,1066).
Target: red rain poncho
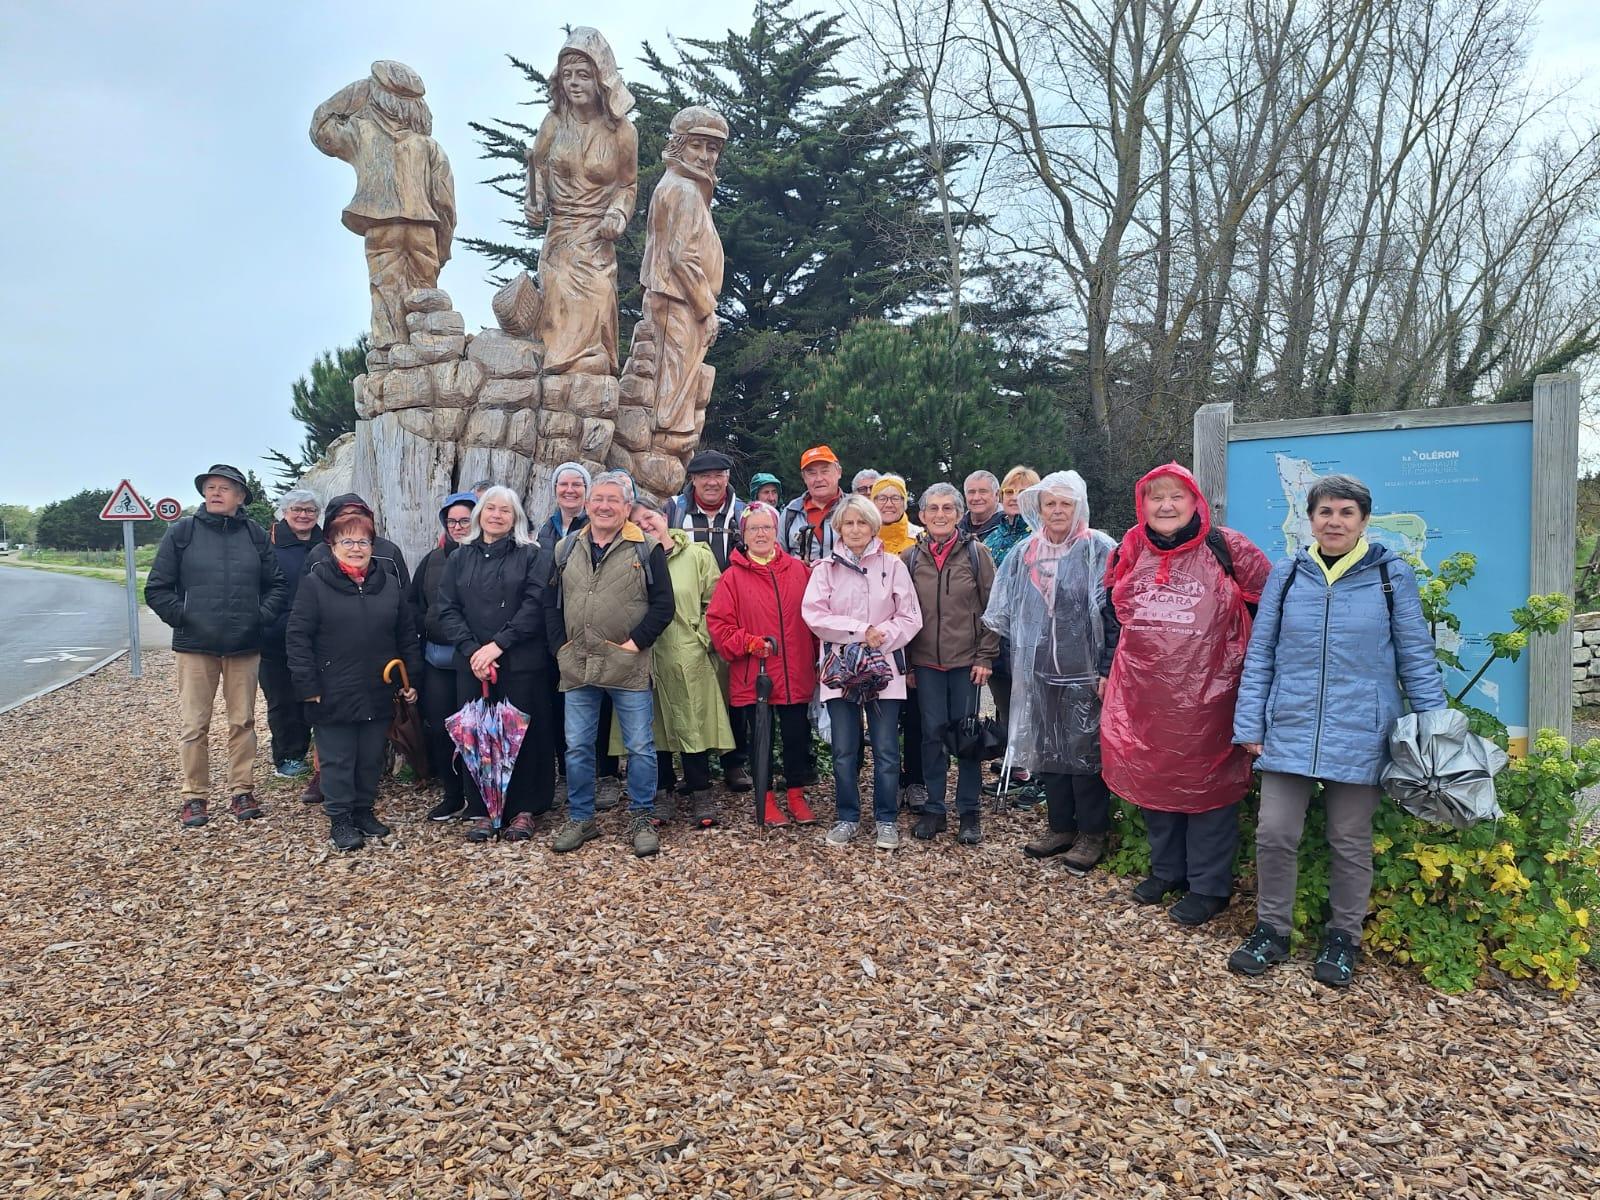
(1166,730)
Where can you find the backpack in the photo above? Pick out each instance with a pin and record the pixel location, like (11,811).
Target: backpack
(183,533)
(916,557)
(1215,542)
(1383,573)
(567,544)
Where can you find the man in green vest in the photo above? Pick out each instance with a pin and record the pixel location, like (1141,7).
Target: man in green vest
(609,600)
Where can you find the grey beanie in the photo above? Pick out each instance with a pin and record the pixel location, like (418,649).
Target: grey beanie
(582,471)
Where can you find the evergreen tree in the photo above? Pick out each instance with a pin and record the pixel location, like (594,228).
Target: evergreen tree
(912,400)
(819,201)
(325,403)
(75,524)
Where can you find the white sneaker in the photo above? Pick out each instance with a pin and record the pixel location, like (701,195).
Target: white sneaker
(888,835)
(841,833)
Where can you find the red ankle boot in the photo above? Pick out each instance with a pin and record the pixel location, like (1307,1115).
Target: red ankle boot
(774,815)
(795,802)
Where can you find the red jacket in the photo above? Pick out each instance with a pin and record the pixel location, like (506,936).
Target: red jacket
(754,601)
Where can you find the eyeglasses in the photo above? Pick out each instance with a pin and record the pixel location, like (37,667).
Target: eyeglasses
(304,510)
(463,522)
(353,544)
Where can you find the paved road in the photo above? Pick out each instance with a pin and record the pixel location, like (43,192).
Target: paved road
(53,626)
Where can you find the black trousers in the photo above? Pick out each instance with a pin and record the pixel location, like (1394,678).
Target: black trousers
(793,729)
(696,771)
(533,779)
(739,756)
(1076,803)
(911,770)
(286,716)
(1198,848)
(605,763)
(351,754)
(438,702)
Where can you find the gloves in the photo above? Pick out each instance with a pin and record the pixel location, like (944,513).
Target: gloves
(757,646)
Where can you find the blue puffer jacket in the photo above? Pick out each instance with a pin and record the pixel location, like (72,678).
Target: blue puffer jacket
(1322,676)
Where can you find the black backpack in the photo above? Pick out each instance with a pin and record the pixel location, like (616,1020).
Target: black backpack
(183,533)
(916,557)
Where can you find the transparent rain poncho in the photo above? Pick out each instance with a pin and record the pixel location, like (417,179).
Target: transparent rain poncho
(1046,601)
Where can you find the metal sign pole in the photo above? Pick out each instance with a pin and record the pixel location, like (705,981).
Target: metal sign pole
(133,601)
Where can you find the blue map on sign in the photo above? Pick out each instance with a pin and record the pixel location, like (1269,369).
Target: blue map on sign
(1434,492)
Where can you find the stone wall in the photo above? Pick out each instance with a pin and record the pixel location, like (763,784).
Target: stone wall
(447,409)
(1586,659)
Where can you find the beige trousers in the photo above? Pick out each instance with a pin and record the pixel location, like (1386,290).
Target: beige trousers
(401,255)
(198,675)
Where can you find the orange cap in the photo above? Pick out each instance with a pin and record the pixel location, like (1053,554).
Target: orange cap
(818,454)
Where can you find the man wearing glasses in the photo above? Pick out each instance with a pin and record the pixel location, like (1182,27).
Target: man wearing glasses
(293,535)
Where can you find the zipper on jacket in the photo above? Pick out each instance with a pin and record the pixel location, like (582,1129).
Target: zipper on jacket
(783,642)
(1322,679)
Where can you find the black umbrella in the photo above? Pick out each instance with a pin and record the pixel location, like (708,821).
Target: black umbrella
(761,735)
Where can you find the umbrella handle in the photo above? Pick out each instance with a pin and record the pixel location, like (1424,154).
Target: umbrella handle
(388,671)
(494,677)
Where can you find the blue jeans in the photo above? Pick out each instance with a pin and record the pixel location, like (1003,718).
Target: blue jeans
(883,728)
(635,711)
(947,698)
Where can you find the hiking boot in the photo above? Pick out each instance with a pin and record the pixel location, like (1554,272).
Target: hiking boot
(970,833)
(738,779)
(607,793)
(574,834)
(703,809)
(842,832)
(1195,909)
(1155,889)
(447,809)
(1336,959)
(1262,949)
(367,821)
(915,797)
(799,811)
(888,836)
(344,834)
(193,814)
(929,826)
(312,792)
(642,834)
(520,829)
(291,768)
(1085,852)
(480,829)
(666,806)
(771,814)
(244,807)
(1050,844)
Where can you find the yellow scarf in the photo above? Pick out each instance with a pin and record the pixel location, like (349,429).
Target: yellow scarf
(897,536)
(758,560)
(1341,565)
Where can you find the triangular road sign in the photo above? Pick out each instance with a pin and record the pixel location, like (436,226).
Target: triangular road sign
(126,505)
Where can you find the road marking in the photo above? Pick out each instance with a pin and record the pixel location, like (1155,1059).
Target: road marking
(54,614)
(66,654)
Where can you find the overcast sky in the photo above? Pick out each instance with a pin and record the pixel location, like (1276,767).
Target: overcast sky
(172,240)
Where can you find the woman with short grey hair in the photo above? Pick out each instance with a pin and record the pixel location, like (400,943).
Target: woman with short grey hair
(1340,632)
(293,536)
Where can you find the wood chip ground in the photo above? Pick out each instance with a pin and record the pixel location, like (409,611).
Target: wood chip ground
(239,1012)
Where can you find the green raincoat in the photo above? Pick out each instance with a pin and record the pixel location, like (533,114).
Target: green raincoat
(691,712)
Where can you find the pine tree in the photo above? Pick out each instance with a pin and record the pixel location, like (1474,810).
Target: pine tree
(819,202)
(909,399)
(325,403)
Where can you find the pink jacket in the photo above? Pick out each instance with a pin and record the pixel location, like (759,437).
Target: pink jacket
(843,599)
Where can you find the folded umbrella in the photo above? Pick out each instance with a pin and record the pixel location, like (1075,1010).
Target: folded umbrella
(1442,772)
(488,736)
(405,727)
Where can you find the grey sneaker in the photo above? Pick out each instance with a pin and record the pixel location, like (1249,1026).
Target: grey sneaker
(888,836)
(573,834)
(642,833)
(607,793)
(841,833)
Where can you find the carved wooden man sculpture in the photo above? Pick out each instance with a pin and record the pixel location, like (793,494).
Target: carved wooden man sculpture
(405,201)
(682,267)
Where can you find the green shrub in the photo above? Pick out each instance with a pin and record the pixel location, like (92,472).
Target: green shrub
(1517,893)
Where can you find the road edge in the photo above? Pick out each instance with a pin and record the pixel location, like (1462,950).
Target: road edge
(56,687)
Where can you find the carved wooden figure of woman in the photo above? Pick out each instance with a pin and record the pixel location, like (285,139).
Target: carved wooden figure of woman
(583,170)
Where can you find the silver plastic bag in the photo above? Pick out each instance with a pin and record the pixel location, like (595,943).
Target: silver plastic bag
(1442,772)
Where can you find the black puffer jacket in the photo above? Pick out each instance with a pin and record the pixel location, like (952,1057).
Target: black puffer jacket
(341,634)
(495,593)
(216,581)
(291,552)
(385,554)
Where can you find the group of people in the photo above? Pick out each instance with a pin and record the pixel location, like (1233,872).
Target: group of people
(1162,667)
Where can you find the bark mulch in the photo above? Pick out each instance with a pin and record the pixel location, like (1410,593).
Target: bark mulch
(239,1012)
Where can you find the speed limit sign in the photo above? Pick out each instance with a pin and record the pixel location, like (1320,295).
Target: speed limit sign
(168,509)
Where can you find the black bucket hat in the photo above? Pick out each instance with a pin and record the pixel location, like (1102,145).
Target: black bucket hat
(224,471)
